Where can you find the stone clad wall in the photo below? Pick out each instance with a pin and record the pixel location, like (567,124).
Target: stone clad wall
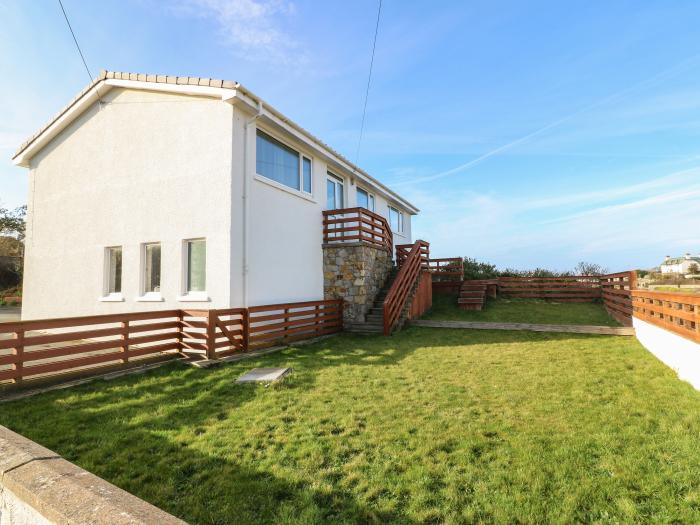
(356,273)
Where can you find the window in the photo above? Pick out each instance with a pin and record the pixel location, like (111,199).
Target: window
(151,268)
(334,192)
(281,163)
(395,220)
(113,274)
(306,164)
(365,199)
(196,269)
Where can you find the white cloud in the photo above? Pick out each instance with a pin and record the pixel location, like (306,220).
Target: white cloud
(250,27)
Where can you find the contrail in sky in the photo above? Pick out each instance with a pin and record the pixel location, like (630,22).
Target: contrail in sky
(463,167)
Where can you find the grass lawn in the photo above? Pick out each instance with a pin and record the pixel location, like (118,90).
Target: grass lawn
(428,426)
(533,311)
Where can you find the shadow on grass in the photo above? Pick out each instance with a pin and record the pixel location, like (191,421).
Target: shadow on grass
(159,435)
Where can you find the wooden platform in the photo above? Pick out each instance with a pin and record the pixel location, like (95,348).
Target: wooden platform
(571,329)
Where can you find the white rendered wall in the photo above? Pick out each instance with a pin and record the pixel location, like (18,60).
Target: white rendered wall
(146,167)
(680,354)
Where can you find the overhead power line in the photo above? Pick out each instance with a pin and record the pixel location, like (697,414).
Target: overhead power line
(80,52)
(369,80)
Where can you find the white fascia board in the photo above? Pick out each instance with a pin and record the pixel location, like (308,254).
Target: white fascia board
(275,118)
(58,125)
(183,89)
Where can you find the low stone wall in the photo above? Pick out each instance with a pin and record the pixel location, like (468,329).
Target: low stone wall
(38,487)
(354,272)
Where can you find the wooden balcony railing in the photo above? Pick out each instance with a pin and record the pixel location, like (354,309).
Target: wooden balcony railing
(356,225)
(451,268)
(676,312)
(409,272)
(402,251)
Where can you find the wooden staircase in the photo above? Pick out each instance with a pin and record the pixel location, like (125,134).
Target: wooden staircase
(374,319)
(472,295)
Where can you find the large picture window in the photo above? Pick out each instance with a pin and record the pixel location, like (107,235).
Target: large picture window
(279,162)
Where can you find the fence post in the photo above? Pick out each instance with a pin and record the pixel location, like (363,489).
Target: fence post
(124,336)
(633,280)
(178,330)
(286,320)
(211,334)
(245,318)
(19,352)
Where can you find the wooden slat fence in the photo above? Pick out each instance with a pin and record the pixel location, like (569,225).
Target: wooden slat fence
(283,323)
(582,288)
(32,350)
(616,294)
(675,312)
(446,269)
(357,225)
(423,298)
(58,349)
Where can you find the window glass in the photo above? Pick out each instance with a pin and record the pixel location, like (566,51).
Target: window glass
(196,265)
(114,270)
(395,220)
(306,165)
(151,268)
(363,199)
(276,161)
(334,193)
(371,202)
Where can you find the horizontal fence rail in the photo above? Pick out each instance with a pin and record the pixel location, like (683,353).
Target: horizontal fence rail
(357,225)
(39,349)
(406,279)
(582,288)
(403,250)
(675,312)
(53,349)
(448,269)
(616,293)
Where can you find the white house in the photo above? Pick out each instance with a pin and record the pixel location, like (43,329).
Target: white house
(681,265)
(159,192)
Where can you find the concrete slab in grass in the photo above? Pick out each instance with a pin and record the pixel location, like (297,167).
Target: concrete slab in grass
(263,375)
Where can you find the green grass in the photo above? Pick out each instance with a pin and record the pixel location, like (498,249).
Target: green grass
(428,426)
(521,311)
(675,289)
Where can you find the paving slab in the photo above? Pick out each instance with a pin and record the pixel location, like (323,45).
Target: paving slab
(561,328)
(264,375)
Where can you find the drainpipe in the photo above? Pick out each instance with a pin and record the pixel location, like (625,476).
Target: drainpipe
(246,208)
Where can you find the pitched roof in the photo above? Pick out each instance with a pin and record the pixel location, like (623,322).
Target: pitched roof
(679,260)
(107,76)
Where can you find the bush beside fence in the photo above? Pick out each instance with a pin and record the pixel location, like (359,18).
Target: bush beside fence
(59,349)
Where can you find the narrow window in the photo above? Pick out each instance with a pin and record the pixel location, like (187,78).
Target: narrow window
(151,267)
(306,168)
(196,279)
(396,220)
(365,199)
(334,193)
(114,270)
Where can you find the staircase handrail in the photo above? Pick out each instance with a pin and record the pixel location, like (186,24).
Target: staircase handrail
(406,278)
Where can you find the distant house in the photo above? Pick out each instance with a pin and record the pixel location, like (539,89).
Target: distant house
(161,192)
(680,265)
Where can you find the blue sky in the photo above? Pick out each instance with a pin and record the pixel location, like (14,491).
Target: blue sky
(529,133)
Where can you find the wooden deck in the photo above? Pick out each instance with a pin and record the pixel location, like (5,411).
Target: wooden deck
(562,328)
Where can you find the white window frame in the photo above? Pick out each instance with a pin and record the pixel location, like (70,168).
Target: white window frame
(371,199)
(400,231)
(337,180)
(149,296)
(186,295)
(107,296)
(300,166)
